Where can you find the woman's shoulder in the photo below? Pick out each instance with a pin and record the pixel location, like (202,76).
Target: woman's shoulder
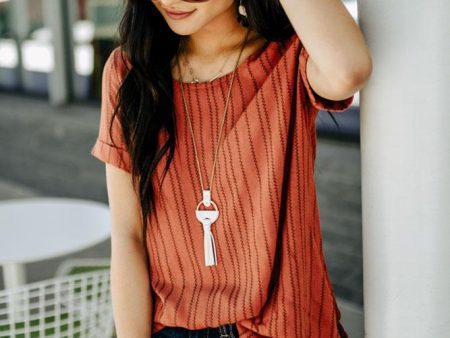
(291,43)
(117,63)
(287,47)
(275,49)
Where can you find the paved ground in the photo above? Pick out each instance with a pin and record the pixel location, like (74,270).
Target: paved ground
(45,151)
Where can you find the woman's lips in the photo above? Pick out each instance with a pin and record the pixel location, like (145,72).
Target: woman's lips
(179,15)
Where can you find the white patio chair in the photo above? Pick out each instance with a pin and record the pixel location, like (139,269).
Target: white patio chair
(77,305)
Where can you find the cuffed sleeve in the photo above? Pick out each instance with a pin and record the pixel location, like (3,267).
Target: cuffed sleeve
(316,100)
(110,147)
(108,153)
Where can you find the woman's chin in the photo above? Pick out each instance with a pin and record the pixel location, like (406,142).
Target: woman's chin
(183,29)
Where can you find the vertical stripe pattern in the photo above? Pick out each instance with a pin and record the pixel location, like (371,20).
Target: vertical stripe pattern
(271,278)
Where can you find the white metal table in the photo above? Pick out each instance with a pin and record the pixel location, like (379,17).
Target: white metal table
(35,229)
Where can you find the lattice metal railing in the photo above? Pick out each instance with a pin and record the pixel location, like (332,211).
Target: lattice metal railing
(71,306)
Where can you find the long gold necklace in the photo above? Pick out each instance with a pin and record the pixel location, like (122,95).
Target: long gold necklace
(208,217)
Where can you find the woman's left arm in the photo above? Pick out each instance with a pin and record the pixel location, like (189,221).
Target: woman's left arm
(339,62)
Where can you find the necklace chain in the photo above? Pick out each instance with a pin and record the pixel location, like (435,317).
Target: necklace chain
(208,217)
(223,118)
(196,79)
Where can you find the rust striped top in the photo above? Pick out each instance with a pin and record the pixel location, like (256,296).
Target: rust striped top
(271,278)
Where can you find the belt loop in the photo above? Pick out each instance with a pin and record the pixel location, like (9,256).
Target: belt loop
(223,334)
(231,331)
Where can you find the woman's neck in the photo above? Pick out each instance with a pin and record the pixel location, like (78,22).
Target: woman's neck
(207,44)
(208,48)
(220,35)
(207,66)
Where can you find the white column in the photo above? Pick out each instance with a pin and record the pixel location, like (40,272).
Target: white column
(14,274)
(405,146)
(58,19)
(20,25)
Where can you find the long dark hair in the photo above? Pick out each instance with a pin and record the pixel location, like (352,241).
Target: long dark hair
(145,98)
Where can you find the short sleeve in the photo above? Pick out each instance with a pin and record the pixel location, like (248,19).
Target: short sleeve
(104,148)
(316,100)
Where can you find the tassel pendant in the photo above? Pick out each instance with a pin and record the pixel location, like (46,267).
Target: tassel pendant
(209,244)
(207,218)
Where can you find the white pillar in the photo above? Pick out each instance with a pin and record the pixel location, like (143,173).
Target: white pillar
(405,164)
(58,19)
(14,275)
(20,26)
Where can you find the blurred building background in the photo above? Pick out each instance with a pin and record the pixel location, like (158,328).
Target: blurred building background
(27,46)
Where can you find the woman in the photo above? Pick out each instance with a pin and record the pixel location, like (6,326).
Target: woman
(207,130)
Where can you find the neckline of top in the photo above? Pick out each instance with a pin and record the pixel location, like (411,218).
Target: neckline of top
(224,78)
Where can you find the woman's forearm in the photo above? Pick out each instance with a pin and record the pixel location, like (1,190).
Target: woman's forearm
(130,289)
(331,36)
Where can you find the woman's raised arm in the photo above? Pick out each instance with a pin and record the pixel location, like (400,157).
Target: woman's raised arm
(339,62)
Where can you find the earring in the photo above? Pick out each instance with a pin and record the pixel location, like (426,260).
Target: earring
(241,9)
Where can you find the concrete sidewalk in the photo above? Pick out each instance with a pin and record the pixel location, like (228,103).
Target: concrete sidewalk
(45,151)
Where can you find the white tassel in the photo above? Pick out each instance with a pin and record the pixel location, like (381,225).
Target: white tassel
(210,245)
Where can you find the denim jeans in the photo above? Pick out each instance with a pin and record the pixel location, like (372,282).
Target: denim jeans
(222,331)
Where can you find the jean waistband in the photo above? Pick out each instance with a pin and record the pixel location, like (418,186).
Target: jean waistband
(228,330)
